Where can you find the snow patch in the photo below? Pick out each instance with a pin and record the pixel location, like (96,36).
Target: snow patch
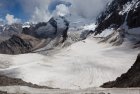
(105,33)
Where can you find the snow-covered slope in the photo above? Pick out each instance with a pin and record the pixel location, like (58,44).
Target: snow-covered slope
(122,19)
(119,13)
(129,79)
(81,65)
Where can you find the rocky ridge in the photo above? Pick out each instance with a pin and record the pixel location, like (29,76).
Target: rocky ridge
(129,79)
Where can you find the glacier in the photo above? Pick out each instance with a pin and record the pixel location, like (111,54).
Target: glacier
(84,64)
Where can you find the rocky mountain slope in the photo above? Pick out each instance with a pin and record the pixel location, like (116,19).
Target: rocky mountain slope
(42,36)
(48,29)
(15,45)
(7,81)
(27,39)
(118,14)
(129,79)
(7,31)
(122,18)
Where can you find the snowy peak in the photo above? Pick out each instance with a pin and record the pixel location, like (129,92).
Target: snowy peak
(119,13)
(26,24)
(54,27)
(133,20)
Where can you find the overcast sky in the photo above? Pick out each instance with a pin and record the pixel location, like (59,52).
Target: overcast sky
(41,10)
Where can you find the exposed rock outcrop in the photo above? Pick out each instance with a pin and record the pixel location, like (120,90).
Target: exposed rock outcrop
(129,79)
(15,45)
(36,36)
(119,13)
(7,81)
(54,32)
(51,29)
(2,92)
(10,30)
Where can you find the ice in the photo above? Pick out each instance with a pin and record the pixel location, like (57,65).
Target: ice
(89,27)
(105,33)
(128,6)
(82,65)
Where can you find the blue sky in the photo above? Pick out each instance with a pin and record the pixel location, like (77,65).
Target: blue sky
(15,7)
(12,7)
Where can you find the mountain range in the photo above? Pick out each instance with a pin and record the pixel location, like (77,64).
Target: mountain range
(69,53)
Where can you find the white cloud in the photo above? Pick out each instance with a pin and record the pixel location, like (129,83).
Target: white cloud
(38,9)
(11,19)
(88,8)
(40,15)
(61,10)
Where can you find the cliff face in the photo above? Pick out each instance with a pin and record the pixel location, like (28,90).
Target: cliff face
(129,79)
(119,13)
(15,45)
(51,29)
(8,81)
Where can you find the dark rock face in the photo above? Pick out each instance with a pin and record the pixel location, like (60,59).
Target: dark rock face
(15,45)
(54,24)
(2,92)
(65,33)
(137,45)
(115,20)
(26,30)
(133,19)
(7,81)
(115,15)
(48,30)
(34,37)
(40,25)
(129,79)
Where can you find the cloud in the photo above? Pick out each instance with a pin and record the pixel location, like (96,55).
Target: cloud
(37,9)
(84,8)
(54,3)
(42,10)
(88,8)
(61,10)
(11,19)
(40,15)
